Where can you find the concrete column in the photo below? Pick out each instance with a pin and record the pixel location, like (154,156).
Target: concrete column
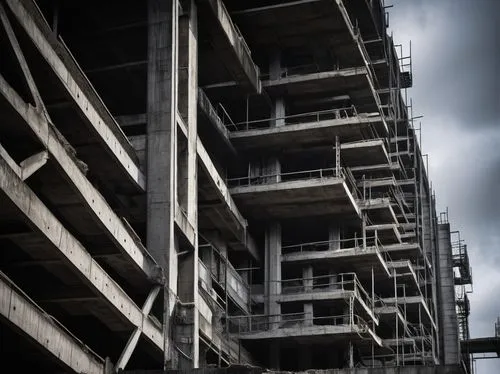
(269,169)
(272,273)
(187,327)
(334,236)
(446,298)
(332,275)
(307,274)
(188,94)
(278,108)
(161,153)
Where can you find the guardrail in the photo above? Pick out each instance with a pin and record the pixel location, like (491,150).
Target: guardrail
(224,274)
(285,177)
(294,119)
(325,283)
(329,245)
(258,323)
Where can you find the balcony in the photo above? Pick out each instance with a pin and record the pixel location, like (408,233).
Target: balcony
(228,44)
(301,193)
(307,129)
(327,329)
(337,288)
(358,255)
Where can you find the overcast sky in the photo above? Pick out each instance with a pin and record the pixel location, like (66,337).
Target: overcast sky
(456,71)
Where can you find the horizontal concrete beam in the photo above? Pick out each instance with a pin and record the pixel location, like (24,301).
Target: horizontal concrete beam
(72,252)
(88,102)
(51,140)
(45,332)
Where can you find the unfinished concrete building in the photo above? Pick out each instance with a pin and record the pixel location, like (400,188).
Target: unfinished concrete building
(212,182)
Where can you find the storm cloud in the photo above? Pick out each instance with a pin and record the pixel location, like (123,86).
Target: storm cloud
(456,62)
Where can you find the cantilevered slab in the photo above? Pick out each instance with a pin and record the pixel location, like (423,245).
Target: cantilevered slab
(296,24)
(40,328)
(230,45)
(387,233)
(309,131)
(415,307)
(368,15)
(302,332)
(297,198)
(22,117)
(351,81)
(404,251)
(385,169)
(64,246)
(405,272)
(364,153)
(389,314)
(330,295)
(379,210)
(104,139)
(357,260)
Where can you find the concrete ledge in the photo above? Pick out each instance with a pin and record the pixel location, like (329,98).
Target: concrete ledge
(48,137)
(74,255)
(230,44)
(17,309)
(76,84)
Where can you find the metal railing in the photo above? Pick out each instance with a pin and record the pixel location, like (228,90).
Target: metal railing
(343,282)
(224,274)
(294,119)
(332,245)
(285,177)
(290,71)
(258,323)
(14,288)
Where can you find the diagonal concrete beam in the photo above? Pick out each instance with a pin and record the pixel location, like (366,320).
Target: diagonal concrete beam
(104,125)
(21,60)
(49,138)
(134,338)
(72,252)
(47,334)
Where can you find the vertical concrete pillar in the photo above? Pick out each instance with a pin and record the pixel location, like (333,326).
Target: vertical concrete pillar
(334,245)
(272,274)
(334,236)
(187,327)
(275,71)
(307,274)
(269,169)
(446,298)
(188,94)
(161,152)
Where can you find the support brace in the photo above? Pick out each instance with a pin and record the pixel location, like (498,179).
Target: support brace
(134,338)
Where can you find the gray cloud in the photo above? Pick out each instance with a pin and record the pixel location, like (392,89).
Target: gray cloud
(456,61)
(460,40)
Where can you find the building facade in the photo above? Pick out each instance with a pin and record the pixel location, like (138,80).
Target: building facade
(212,182)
